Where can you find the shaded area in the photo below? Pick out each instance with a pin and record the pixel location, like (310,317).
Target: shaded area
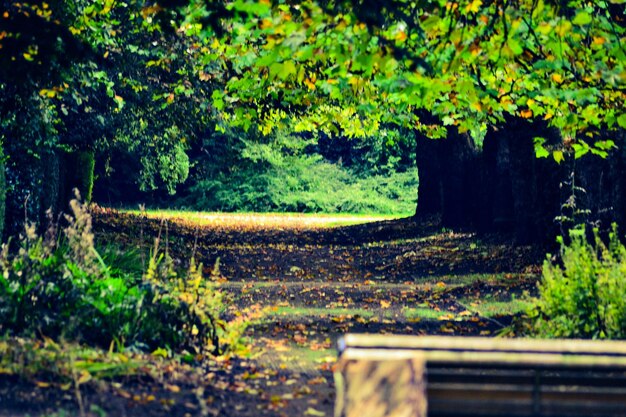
(398,276)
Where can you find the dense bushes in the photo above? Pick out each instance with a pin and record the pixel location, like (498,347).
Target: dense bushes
(305,185)
(586,296)
(60,287)
(289,173)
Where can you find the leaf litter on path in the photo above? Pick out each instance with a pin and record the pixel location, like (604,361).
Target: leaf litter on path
(392,276)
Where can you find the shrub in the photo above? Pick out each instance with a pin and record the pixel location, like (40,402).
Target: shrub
(305,184)
(294,173)
(586,296)
(58,286)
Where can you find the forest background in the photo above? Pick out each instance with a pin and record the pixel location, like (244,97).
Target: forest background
(318,107)
(511,113)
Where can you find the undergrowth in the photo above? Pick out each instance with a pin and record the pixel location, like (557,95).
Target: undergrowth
(305,185)
(585,296)
(57,286)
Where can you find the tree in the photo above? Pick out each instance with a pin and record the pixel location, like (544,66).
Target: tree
(82,80)
(475,67)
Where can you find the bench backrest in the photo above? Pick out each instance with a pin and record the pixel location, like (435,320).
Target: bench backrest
(496,377)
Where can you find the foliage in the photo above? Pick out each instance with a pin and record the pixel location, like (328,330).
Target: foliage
(60,287)
(296,173)
(340,67)
(586,296)
(65,363)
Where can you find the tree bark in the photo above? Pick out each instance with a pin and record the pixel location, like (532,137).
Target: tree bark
(429,191)
(3,188)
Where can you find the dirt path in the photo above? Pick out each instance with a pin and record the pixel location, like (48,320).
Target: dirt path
(317,284)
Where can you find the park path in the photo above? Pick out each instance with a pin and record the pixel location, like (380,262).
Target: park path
(317,283)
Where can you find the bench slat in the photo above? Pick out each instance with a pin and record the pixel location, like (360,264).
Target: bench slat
(467,344)
(481,377)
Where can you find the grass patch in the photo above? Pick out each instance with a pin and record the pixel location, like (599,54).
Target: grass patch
(58,364)
(469,279)
(423,313)
(320,312)
(496,308)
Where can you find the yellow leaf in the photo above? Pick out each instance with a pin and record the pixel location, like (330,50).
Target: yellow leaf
(42,384)
(526,114)
(564,28)
(598,40)
(313,412)
(84,377)
(401,36)
(44,92)
(557,78)
(474,6)
(385,304)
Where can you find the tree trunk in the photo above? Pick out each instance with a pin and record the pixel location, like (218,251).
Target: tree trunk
(460,177)
(429,191)
(3,188)
(449,177)
(522,192)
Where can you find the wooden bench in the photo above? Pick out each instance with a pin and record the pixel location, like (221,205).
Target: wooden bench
(403,376)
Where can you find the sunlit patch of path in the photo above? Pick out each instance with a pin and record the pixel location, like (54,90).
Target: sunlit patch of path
(252,221)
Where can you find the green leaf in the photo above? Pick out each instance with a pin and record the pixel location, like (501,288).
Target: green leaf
(605,145)
(289,68)
(558,156)
(515,46)
(580,149)
(582,18)
(540,150)
(621,121)
(448,121)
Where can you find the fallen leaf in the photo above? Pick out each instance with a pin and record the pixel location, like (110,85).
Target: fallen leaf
(313,412)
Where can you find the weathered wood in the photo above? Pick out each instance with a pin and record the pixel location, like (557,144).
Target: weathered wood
(388,385)
(507,377)
(466,344)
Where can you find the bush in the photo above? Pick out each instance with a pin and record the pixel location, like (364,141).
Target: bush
(305,184)
(59,286)
(586,296)
(295,173)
